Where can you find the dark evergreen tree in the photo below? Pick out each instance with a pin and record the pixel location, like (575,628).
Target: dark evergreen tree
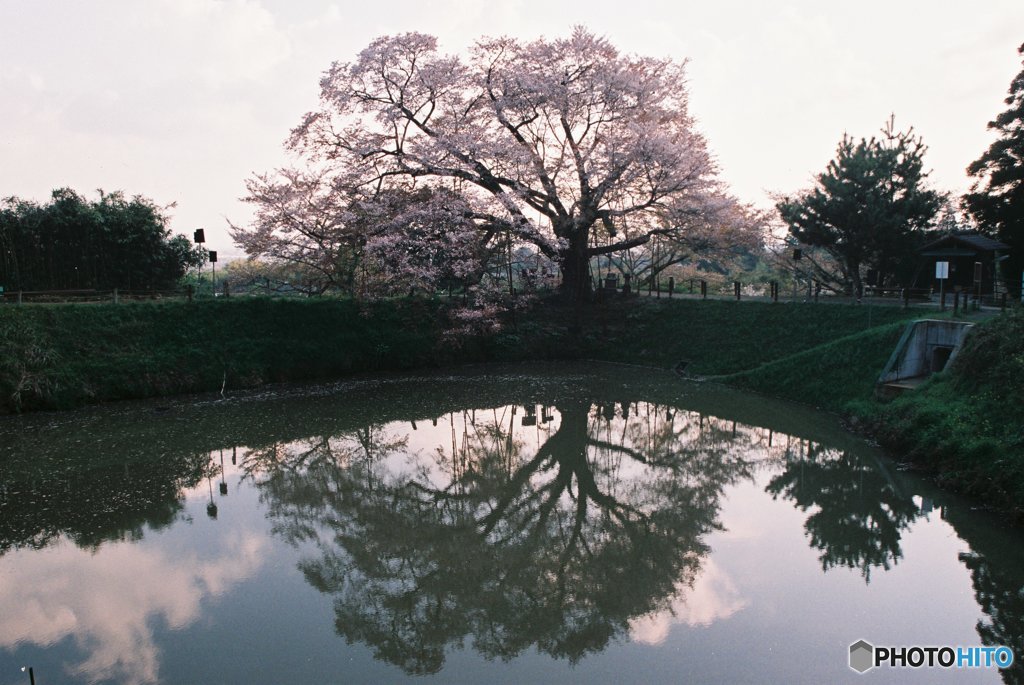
(869,209)
(71,243)
(996,200)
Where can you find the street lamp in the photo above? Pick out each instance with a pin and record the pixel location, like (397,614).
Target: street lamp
(223,483)
(213,263)
(211,508)
(199,237)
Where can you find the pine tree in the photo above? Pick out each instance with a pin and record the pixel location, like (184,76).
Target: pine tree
(869,207)
(996,200)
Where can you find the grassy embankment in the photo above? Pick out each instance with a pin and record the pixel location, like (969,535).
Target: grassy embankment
(68,355)
(824,355)
(964,424)
(56,357)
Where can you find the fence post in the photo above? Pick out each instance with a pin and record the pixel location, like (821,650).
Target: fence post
(704,289)
(115,296)
(672,285)
(736,287)
(19,297)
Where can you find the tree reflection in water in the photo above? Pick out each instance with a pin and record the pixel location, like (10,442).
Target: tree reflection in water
(557,547)
(997,574)
(1000,592)
(511,528)
(859,514)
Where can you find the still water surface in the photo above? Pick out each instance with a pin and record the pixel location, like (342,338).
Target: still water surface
(591,524)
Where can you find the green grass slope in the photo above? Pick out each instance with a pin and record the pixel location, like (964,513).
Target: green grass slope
(718,337)
(68,355)
(966,424)
(831,375)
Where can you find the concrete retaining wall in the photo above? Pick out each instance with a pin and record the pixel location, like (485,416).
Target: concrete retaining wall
(926,347)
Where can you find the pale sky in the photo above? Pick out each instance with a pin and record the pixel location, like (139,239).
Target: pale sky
(181,100)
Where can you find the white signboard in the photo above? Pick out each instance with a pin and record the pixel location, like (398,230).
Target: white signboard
(942,270)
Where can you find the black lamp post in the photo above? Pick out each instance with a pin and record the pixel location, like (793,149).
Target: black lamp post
(199,237)
(223,483)
(211,508)
(213,263)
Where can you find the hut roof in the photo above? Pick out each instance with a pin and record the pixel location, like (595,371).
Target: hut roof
(961,245)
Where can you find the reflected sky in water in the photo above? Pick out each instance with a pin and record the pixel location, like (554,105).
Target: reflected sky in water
(572,523)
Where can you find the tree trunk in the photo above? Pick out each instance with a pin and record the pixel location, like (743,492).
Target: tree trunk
(575,267)
(855,283)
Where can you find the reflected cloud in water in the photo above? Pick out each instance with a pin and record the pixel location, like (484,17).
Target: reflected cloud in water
(713,597)
(107,603)
(85,564)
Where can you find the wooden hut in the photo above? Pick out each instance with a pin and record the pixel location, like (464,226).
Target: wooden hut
(971,256)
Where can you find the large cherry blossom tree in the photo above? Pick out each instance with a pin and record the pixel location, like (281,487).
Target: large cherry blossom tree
(564,144)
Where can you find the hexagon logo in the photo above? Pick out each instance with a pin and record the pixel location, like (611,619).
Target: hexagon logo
(862,656)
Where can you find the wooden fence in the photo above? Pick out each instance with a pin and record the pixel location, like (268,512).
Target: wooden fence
(115,295)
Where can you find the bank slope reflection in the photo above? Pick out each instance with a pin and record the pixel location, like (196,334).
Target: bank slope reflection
(89,496)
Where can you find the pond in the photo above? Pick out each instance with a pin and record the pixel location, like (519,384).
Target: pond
(543,523)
